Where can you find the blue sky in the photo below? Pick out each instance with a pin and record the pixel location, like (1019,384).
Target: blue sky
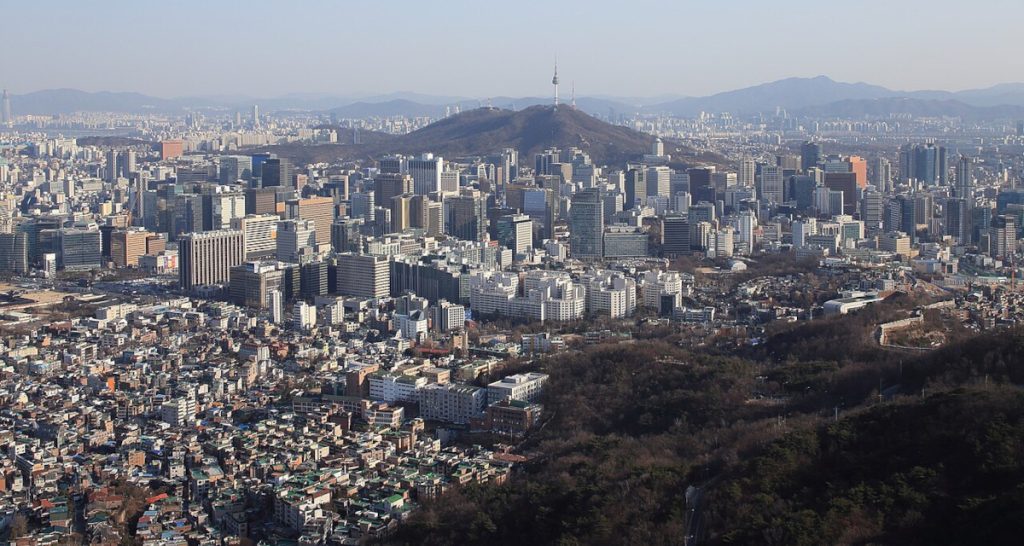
(481,48)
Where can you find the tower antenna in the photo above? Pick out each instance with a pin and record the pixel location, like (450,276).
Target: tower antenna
(554,81)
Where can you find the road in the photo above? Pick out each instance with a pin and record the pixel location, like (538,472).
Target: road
(694,523)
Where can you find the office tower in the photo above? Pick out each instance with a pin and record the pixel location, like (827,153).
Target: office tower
(345,234)
(401,213)
(770,189)
(7,118)
(207,258)
(235,169)
(908,207)
(391,165)
(586,225)
(126,165)
(224,207)
(925,163)
(846,183)
(363,206)
(790,164)
(256,116)
(958,220)
(747,173)
(426,215)
(872,210)
(14,253)
(126,245)
(964,188)
(543,161)
(111,167)
(636,188)
(364,275)
(466,216)
(313,279)
(257,161)
(426,173)
(859,167)
(261,201)
(388,185)
(701,187)
(802,229)
(318,209)
(295,239)
(675,232)
(170,149)
(253,282)
(277,172)
(881,174)
(515,232)
(800,188)
(810,155)
(80,248)
(658,181)
(259,234)
(1003,236)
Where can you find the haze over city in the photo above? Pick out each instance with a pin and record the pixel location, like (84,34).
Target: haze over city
(474,49)
(418,273)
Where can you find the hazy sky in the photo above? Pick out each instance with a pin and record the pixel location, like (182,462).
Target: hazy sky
(481,48)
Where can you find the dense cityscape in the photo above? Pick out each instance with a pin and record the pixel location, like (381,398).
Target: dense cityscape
(569,320)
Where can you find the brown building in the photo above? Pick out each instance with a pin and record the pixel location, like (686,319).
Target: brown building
(156,243)
(386,186)
(318,209)
(512,417)
(356,383)
(261,201)
(170,149)
(846,183)
(126,245)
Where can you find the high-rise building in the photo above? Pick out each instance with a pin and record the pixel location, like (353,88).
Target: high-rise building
(927,164)
(260,234)
(701,187)
(1003,236)
(635,188)
(126,245)
(846,183)
(658,181)
(466,216)
(811,154)
(958,220)
(111,169)
(363,275)
(675,233)
(261,201)
(881,174)
(253,282)
(386,186)
(277,172)
(770,189)
(296,239)
(747,173)
(207,258)
(80,248)
(515,232)
(586,225)
(318,209)
(5,115)
(235,168)
(14,252)
(426,173)
(964,187)
(170,149)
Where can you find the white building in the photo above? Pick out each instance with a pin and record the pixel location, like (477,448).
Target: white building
(525,387)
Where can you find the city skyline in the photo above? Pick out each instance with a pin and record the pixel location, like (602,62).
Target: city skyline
(319,49)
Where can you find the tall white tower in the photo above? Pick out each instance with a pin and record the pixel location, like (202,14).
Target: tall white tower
(554,81)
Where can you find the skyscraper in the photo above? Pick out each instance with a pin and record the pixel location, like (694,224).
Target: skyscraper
(256,116)
(426,173)
(810,155)
(964,188)
(770,189)
(7,119)
(277,172)
(586,225)
(295,239)
(881,174)
(466,216)
(386,186)
(207,258)
(515,232)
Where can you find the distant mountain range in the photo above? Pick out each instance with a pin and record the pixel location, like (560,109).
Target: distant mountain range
(819,96)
